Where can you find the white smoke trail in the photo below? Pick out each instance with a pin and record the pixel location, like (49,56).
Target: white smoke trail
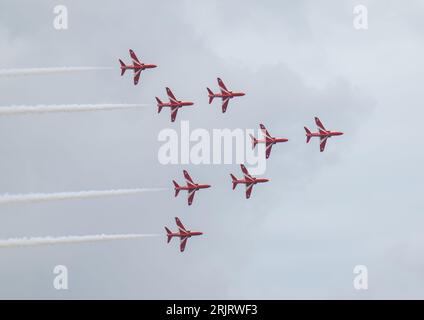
(39,197)
(42,241)
(13,110)
(42,71)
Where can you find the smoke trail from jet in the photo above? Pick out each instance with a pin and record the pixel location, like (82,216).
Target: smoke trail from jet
(43,241)
(41,197)
(43,71)
(15,110)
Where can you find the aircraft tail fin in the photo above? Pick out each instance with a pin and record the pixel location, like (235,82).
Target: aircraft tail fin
(122,67)
(254,141)
(177,187)
(159,104)
(234,181)
(210,94)
(169,234)
(308,132)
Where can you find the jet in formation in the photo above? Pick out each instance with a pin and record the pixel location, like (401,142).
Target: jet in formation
(182,233)
(191,187)
(225,95)
(322,133)
(248,180)
(173,103)
(137,66)
(268,140)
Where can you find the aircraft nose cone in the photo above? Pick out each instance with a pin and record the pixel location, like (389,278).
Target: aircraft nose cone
(208,186)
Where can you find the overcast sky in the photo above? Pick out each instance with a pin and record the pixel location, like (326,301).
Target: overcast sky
(300,235)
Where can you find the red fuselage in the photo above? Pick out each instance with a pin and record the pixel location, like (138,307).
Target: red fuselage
(137,67)
(226,95)
(253,181)
(193,187)
(184,235)
(326,134)
(273,140)
(174,104)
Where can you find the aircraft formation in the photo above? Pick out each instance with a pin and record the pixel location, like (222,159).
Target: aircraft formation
(225,95)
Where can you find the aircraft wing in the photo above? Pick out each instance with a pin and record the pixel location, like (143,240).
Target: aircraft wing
(320,126)
(187,177)
(322,143)
(225,104)
(191,196)
(180,225)
(183,243)
(268,149)
(174,111)
(222,86)
(265,131)
(134,58)
(249,188)
(137,74)
(171,95)
(246,173)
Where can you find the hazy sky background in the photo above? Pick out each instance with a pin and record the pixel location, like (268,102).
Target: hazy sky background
(299,236)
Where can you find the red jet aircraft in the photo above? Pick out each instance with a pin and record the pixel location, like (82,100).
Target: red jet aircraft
(248,180)
(225,94)
(173,103)
(322,133)
(191,187)
(137,66)
(183,234)
(269,141)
